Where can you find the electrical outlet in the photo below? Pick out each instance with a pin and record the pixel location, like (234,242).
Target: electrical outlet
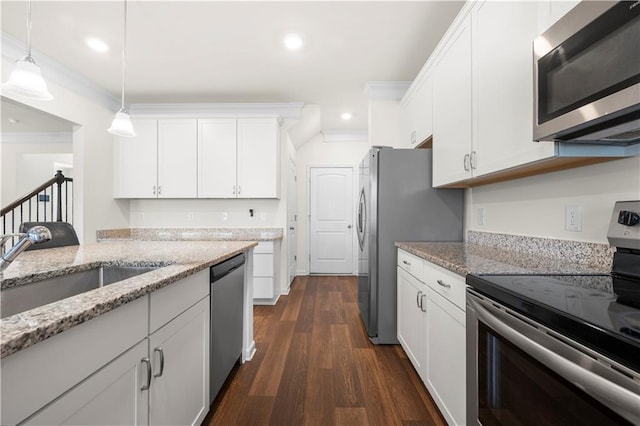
(480,215)
(573,218)
(225,216)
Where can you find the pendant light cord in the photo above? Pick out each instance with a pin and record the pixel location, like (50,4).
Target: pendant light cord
(124,53)
(28,28)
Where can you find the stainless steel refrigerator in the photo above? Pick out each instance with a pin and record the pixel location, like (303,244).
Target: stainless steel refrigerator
(397,203)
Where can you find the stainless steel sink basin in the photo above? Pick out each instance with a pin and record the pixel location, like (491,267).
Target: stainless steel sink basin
(21,298)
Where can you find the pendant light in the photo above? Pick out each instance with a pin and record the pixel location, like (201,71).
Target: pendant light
(26,80)
(121,124)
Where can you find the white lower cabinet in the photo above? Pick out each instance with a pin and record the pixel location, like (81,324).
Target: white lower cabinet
(179,351)
(446,362)
(412,331)
(146,362)
(112,396)
(432,331)
(266,272)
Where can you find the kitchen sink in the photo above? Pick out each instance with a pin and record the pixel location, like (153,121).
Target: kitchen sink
(21,298)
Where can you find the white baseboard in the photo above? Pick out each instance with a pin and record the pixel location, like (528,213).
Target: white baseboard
(249,352)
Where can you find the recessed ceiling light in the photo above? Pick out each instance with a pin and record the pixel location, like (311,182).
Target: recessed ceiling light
(97,44)
(292,41)
(346,116)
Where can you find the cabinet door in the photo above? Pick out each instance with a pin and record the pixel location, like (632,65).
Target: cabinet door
(217,158)
(258,158)
(423,114)
(407,121)
(112,396)
(179,353)
(446,357)
(135,162)
(177,159)
(411,319)
(502,83)
(452,109)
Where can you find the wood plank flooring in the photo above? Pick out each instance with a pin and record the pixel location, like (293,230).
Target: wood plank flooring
(316,366)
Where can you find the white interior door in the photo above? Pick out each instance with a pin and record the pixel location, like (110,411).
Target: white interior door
(331,220)
(292,218)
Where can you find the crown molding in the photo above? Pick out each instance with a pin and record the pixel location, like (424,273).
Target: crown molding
(52,70)
(37,137)
(386,90)
(355,135)
(284,110)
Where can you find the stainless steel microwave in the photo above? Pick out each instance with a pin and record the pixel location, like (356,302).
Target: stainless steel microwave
(587,75)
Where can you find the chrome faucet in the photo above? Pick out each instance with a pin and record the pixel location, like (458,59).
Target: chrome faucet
(36,235)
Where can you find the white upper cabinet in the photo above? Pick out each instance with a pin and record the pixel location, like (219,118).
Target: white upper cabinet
(238,158)
(502,84)
(217,157)
(177,156)
(135,165)
(160,162)
(198,158)
(416,112)
(258,155)
(452,124)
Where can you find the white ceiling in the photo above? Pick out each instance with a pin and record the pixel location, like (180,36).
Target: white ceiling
(213,51)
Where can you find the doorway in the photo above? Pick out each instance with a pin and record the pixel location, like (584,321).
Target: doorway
(331,207)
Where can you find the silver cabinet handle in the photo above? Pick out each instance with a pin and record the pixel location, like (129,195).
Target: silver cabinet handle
(422,308)
(239,189)
(406,263)
(472,160)
(291,228)
(443,284)
(161,352)
(614,396)
(466,162)
(419,299)
(159,190)
(234,190)
(154,190)
(148,385)
(348,226)
(413,137)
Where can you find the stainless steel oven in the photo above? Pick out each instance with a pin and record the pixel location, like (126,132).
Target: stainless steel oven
(587,75)
(558,349)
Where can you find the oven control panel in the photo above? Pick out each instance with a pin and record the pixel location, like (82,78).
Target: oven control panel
(624,228)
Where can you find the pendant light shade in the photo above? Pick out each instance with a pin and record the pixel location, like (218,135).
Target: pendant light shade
(121,124)
(25,80)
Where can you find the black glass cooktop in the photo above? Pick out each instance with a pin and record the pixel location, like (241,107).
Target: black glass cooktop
(600,311)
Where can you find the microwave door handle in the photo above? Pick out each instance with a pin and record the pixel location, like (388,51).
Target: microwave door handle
(619,399)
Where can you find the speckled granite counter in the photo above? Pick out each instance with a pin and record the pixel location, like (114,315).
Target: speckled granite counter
(178,258)
(465,258)
(191,234)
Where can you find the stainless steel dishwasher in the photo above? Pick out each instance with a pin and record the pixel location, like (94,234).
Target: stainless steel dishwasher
(227,293)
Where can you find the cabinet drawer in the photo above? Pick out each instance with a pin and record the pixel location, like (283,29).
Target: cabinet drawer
(446,283)
(262,265)
(263,288)
(412,264)
(169,302)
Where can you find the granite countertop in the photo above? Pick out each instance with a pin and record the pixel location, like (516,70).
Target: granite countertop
(178,259)
(465,258)
(191,234)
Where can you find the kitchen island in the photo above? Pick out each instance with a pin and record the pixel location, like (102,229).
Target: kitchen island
(120,350)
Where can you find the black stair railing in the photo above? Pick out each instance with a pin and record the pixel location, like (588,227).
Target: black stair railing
(39,205)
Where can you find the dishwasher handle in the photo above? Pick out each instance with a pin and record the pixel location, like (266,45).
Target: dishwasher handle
(225,268)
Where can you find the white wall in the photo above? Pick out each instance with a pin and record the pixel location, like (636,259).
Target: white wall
(384,126)
(94,206)
(316,152)
(535,205)
(16,181)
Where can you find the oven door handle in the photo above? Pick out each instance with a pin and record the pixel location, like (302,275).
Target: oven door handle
(621,400)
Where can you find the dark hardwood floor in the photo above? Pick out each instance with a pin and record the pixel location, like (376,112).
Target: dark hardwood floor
(315,365)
